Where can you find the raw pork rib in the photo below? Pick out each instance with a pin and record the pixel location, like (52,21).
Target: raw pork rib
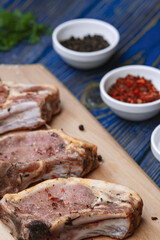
(26,106)
(29,157)
(72,209)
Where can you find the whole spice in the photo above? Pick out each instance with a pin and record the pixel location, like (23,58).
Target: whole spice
(86,44)
(54,135)
(26,175)
(61,146)
(154,218)
(99,158)
(68,221)
(134,89)
(81,127)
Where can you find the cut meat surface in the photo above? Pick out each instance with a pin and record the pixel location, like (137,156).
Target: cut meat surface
(73,208)
(26,106)
(29,157)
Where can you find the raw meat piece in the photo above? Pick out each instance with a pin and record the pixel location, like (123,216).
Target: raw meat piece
(72,209)
(29,157)
(26,106)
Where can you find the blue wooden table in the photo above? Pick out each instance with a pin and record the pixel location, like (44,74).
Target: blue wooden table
(138,22)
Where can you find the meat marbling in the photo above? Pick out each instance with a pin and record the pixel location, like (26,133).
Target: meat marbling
(26,106)
(72,209)
(29,157)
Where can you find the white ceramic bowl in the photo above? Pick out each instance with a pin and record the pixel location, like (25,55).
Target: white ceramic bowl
(81,28)
(129,111)
(155,142)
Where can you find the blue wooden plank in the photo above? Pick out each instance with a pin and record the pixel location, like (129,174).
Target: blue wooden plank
(152,167)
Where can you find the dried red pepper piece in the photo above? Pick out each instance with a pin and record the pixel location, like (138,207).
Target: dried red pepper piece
(134,89)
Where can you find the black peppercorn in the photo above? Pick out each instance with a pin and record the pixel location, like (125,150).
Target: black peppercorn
(99,158)
(81,127)
(54,135)
(154,218)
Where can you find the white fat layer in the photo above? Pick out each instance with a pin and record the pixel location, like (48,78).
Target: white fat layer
(17,108)
(24,86)
(24,119)
(14,92)
(43,92)
(84,219)
(117,228)
(62,170)
(20,91)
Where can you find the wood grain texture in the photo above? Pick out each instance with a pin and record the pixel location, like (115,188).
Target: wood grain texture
(117,167)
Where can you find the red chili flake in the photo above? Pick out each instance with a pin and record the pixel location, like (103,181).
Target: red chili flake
(134,89)
(50,198)
(60,214)
(54,205)
(46,190)
(53,176)
(58,200)
(62,190)
(5,156)
(66,203)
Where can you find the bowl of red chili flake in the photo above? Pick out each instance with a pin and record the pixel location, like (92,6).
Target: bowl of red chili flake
(132,92)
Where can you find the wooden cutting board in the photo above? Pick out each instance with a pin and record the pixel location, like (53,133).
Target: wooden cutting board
(118,166)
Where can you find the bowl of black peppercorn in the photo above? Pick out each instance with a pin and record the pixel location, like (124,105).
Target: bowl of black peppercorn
(85,43)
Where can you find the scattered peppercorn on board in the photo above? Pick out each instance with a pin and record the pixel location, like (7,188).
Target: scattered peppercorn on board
(117,165)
